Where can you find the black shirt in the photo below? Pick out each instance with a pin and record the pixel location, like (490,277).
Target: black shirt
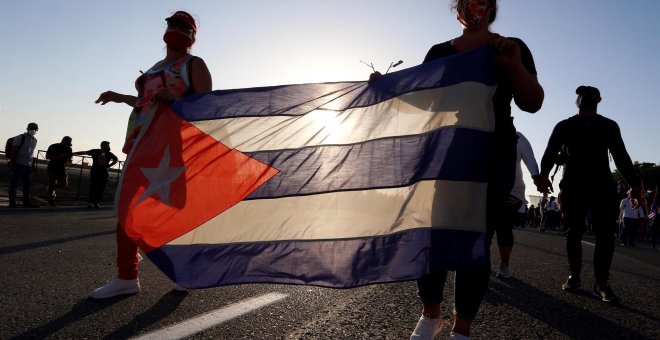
(55,150)
(587,141)
(101,159)
(504,92)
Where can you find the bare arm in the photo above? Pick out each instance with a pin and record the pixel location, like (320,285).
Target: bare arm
(527,155)
(622,159)
(201,77)
(113,161)
(527,92)
(80,153)
(110,96)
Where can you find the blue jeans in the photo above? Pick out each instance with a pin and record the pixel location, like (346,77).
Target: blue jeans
(24,173)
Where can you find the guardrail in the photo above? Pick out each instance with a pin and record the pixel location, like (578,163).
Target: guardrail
(77,192)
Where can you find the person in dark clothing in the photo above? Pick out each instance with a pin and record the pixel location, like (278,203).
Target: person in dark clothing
(517,81)
(58,154)
(588,186)
(102,159)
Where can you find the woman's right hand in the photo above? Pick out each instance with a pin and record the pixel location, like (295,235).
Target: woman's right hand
(109,96)
(374,76)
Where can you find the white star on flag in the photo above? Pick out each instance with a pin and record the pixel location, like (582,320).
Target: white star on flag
(161,178)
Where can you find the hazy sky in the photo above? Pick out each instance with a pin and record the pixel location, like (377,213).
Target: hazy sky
(58,56)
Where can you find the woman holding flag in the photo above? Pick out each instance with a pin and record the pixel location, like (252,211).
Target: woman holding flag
(516,80)
(179,74)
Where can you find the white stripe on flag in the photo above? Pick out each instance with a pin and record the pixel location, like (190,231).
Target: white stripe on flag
(409,114)
(348,214)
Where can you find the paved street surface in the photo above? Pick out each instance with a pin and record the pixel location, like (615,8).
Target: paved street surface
(52,258)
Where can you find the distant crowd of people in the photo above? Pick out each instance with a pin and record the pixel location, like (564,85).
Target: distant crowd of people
(20,155)
(636,222)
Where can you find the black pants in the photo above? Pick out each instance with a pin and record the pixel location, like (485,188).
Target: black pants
(97,181)
(470,285)
(629,232)
(578,197)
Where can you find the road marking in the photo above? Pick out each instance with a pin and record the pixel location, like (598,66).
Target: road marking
(210,319)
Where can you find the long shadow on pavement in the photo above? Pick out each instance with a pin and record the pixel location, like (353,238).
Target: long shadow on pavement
(575,322)
(78,312)
(164,307)
(30,246)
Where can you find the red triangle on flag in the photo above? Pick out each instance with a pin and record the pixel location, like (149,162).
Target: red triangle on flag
(178,177)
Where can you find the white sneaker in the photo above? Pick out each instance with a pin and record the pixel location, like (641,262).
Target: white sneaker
(179,288)
(504,272)
(116,287)
(458,336)
(427,328)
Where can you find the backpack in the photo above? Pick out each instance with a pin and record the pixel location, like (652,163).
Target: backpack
(10,142)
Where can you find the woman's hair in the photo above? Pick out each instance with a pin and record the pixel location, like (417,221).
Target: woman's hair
(492,3)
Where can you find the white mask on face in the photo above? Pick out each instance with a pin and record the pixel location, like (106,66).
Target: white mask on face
(32,132)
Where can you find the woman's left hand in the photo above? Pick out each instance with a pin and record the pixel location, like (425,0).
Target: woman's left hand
(508,52)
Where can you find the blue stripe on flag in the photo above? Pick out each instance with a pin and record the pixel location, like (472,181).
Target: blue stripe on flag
(330,263)
(454,154)
(293,100)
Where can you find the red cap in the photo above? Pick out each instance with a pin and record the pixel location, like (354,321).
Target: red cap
(184,17)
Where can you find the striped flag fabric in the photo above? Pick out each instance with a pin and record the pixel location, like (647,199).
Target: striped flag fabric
(331,184)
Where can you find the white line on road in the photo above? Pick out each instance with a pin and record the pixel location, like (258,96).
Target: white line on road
(210,319)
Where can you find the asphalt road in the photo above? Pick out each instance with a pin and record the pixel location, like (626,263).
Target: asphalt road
(52,258)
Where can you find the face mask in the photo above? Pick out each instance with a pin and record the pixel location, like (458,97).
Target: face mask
(471,11)
(32,132)
(177,40)
(578,101)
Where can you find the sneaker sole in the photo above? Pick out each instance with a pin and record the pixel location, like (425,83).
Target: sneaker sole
(128,291)
(571,289)
(599,297)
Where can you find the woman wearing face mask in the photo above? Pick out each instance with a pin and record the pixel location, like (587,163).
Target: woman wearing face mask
(179,74)
(517,80)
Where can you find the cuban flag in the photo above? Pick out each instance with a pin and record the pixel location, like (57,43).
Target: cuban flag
(333,184)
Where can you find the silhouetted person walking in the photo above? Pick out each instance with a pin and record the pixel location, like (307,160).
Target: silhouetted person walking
(588,186)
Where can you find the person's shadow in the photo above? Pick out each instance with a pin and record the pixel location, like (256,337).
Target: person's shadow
(569,319)
(164,307)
